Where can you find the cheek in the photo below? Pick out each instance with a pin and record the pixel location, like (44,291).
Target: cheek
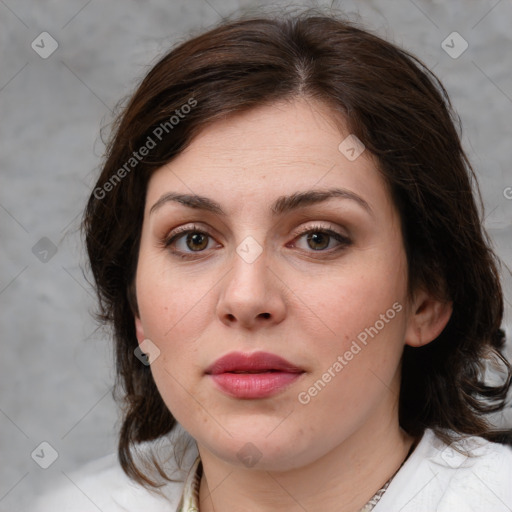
(174,309)
(355,298)
(355,368)
(173,317)
(360,316)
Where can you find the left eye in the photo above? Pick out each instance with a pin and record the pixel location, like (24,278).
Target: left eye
(322,239)
(193,240)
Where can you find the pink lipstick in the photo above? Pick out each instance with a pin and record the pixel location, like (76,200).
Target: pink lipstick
(256,375)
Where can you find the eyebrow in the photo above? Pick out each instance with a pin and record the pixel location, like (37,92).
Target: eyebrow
(283,204)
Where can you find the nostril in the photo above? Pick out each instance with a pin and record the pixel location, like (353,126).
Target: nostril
(265,315)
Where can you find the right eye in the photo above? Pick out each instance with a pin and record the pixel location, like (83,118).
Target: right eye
(187,240)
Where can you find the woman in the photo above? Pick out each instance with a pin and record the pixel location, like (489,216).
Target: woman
(285,240)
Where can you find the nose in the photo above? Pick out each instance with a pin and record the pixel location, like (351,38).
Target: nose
(252,296)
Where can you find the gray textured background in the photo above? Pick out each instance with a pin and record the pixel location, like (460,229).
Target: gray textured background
(56,371)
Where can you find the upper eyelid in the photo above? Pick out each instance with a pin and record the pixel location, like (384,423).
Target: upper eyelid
(186,228)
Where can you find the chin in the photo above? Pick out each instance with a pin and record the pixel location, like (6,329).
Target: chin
(260,445)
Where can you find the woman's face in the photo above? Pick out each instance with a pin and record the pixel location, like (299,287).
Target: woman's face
(289,246)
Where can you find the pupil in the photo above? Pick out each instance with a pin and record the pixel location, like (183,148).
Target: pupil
(318,239)
(196,241)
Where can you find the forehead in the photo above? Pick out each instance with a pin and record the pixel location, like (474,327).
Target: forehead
(269,151)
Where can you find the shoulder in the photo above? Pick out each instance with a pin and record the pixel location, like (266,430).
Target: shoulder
(103,485)
(471,474)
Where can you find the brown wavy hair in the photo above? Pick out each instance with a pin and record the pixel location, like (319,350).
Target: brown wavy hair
(402,113)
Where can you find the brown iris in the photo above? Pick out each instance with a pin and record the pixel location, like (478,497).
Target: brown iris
(197,241)
(318,240)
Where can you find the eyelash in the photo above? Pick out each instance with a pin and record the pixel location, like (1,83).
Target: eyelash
(178,233)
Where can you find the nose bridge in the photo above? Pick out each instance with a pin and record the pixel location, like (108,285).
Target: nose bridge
(251,293)
(248,281)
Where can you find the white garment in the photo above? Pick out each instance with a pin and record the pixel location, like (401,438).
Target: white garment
(435,478)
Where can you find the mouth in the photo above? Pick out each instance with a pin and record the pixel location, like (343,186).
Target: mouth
(253,371)
(251,376)
(257,362)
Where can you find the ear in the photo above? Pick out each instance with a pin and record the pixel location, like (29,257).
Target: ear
(428,318)
(139,330)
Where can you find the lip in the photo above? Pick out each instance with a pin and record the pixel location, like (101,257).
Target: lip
(250,376)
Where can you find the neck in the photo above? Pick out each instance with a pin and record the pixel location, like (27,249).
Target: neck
(343,480)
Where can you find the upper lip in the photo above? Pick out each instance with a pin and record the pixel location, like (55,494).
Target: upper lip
(257,361)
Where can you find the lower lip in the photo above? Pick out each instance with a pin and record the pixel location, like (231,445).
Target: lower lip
(254,385)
